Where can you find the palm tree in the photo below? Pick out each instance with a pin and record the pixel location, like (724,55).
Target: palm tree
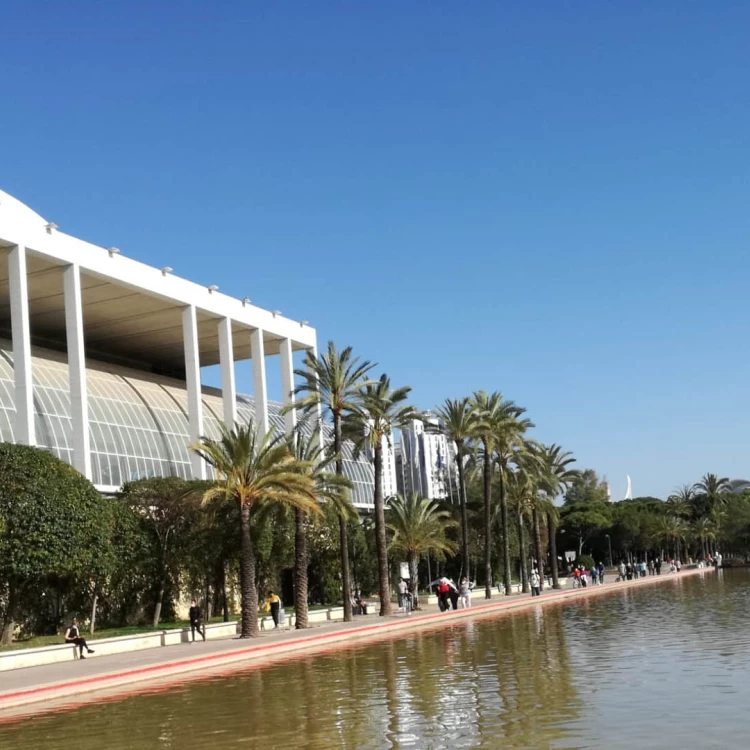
(418,525)
(369,425)
(509,446)
(681,501)
(331,489)
(704,530)
(460,422)
(529,467)
(491,412)
(670,532)
(714,489)
(332,383)
(555,478)
(519,491)
(254,471)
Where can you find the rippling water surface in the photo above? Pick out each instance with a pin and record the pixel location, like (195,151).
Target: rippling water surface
(664,666)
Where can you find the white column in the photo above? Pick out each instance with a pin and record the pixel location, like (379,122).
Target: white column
(287,384)
(226,357)
(193,378)
(24,431)
(260,396)
(79,402)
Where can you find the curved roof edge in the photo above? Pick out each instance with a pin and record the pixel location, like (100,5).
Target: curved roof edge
(18,215)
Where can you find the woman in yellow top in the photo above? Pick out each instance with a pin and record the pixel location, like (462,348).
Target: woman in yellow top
(273,603)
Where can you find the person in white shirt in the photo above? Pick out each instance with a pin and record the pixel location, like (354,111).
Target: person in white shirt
(402,589)
(464,592)
(535,583)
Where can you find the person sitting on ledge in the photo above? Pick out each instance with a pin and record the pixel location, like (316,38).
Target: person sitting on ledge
(73,635)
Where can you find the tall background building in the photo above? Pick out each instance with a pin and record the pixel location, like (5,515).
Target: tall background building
(425,460)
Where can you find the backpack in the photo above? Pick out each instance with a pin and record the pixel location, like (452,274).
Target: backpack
(443,588)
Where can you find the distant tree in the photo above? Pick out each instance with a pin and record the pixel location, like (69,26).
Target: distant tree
(332,490)
(555,477)
(461,422)
(168,507)
(586,509)
(511,449)
(418,526)
(494,417)
(53,524)
(254,471)
(332,383)
(712,490)
(370,425)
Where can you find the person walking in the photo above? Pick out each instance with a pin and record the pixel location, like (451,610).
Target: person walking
(409,597)
(651,566)
(73,635)
(402,587)
(622,570)
(601,573)
(194,615)
(584,577)
(535,583)
(594,575)
(657,566)
(273,604)
(453,594)
(444,587)
(464,591)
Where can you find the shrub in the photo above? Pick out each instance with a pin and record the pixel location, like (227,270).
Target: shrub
(53,528)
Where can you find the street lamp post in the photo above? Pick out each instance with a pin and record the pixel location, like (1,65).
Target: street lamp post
(609,542)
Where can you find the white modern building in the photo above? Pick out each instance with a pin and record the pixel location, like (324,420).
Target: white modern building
(427,459)
(101,356)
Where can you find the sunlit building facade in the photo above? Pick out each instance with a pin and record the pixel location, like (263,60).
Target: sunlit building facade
(100,358)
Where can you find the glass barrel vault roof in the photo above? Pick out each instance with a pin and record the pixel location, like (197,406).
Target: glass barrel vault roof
(138,422)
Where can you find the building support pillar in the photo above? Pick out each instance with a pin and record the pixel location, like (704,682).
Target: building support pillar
(287,384)
(228,387)
(260,395)
(23,429)
(79,401)
(193,379)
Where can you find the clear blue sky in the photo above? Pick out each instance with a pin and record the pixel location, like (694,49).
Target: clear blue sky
(549,199)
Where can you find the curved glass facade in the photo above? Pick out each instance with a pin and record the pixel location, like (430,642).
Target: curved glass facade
(138,422)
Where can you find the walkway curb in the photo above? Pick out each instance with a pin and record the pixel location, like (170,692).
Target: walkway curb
(309,642)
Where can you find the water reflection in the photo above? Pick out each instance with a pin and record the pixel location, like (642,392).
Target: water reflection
(642,667)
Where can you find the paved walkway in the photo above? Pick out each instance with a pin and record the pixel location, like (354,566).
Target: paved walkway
(53,685)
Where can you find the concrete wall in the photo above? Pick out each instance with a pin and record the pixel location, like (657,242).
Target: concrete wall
(32,657)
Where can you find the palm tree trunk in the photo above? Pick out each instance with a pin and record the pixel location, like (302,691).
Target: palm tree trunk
(92,622)
(249,593)
(12,613)
(506,535)
(522,552)
(380,540)
(487,523)
(160,596)
(346,579)
(223,586)
(538,546)
(464,514)
(300,569)
(552,533)
(414,574)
